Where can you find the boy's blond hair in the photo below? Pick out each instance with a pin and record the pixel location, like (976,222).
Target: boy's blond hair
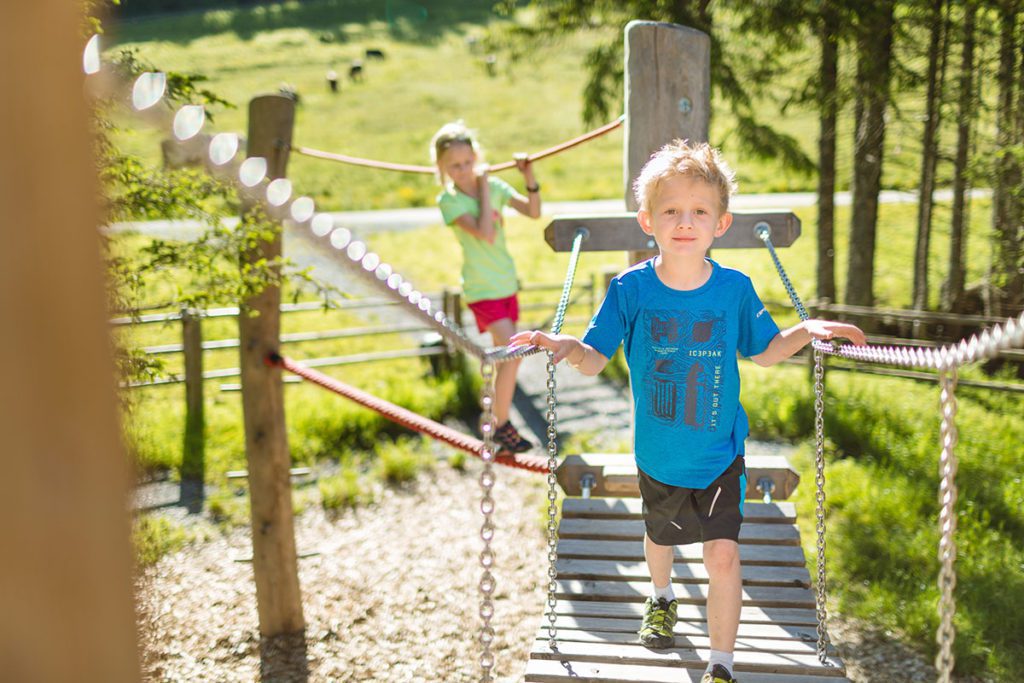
(680,157)
(454,133)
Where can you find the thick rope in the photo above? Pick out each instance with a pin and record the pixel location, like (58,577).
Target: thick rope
(409,419)
(411,168)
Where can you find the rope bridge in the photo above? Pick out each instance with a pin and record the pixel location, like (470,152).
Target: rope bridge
(149,88)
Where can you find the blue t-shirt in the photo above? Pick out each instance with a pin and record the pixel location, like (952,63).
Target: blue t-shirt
(681,350)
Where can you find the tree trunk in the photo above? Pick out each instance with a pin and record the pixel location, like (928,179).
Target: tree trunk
(874,57)
(828,75)
(952,295)
(1007,294)
(929,154)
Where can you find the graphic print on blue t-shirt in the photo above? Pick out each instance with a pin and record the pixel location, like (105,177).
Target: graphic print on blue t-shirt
(681,348)
(683,377)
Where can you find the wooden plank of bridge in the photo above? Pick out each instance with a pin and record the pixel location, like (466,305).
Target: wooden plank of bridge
(603,582)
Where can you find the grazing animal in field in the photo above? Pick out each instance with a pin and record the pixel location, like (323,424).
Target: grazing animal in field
(374,53)
(332,80)
(355,70)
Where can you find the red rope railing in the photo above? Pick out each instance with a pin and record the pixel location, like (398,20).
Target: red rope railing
(409,168)
(409,419)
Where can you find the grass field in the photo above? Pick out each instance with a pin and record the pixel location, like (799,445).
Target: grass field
(432,75)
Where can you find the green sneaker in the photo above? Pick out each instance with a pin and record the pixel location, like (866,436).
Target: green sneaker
(718,674)
(659,621)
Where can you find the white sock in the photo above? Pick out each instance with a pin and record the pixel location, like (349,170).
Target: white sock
(719,657)
(665,593)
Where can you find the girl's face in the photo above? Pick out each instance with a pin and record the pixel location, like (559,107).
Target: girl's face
(459,163)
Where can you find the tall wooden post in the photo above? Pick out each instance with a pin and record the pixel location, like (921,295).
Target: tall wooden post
(668,96)
(65,578)
(193,459)
(278,598)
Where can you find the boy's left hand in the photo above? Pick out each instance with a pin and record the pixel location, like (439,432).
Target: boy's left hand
(826,330)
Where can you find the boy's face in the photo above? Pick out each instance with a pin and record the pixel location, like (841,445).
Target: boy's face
(458,163)
(685,217)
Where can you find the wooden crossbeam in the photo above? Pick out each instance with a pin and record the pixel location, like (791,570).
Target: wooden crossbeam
(621,232)
(614,474)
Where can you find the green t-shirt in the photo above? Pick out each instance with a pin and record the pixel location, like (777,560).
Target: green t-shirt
(487,269)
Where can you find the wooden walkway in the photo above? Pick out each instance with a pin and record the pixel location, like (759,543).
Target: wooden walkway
(603,583)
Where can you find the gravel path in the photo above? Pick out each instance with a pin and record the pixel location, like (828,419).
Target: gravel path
(391,594)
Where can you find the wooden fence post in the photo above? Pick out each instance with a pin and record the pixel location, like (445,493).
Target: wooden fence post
(278,597)
(665,103)
(66,576)
(193,458)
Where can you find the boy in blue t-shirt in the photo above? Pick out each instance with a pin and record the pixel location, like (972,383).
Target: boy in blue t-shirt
(682,319)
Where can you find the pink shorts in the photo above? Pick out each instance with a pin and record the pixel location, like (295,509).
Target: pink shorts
(488,311)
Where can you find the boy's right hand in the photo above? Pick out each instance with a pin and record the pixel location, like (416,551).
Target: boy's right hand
(561,345)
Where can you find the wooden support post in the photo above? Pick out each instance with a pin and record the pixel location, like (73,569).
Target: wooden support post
(193,458)
(668,96)
(65,580)
(278,598)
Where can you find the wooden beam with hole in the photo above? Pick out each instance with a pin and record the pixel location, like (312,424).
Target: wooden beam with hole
(614,474)
(621,232)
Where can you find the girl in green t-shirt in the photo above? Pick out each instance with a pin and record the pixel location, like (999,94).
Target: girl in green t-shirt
(471,203)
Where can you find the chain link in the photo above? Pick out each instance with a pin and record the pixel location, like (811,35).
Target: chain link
(488,425)
(819,512)
(947,525)
(552,507)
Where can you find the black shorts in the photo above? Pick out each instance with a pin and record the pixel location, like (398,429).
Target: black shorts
(677,516)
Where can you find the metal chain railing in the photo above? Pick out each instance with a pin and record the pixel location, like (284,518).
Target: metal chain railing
(552,600)
(819,498)
(488,425)
(947,525)
(763,231)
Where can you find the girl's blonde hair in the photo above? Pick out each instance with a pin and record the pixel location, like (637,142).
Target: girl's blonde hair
(450,134)
(682,158)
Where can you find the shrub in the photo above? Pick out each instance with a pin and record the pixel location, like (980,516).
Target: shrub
(154,536)
(343,490)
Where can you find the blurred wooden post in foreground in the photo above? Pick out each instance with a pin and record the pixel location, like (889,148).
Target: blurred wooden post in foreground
(65,579)
(275,568)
